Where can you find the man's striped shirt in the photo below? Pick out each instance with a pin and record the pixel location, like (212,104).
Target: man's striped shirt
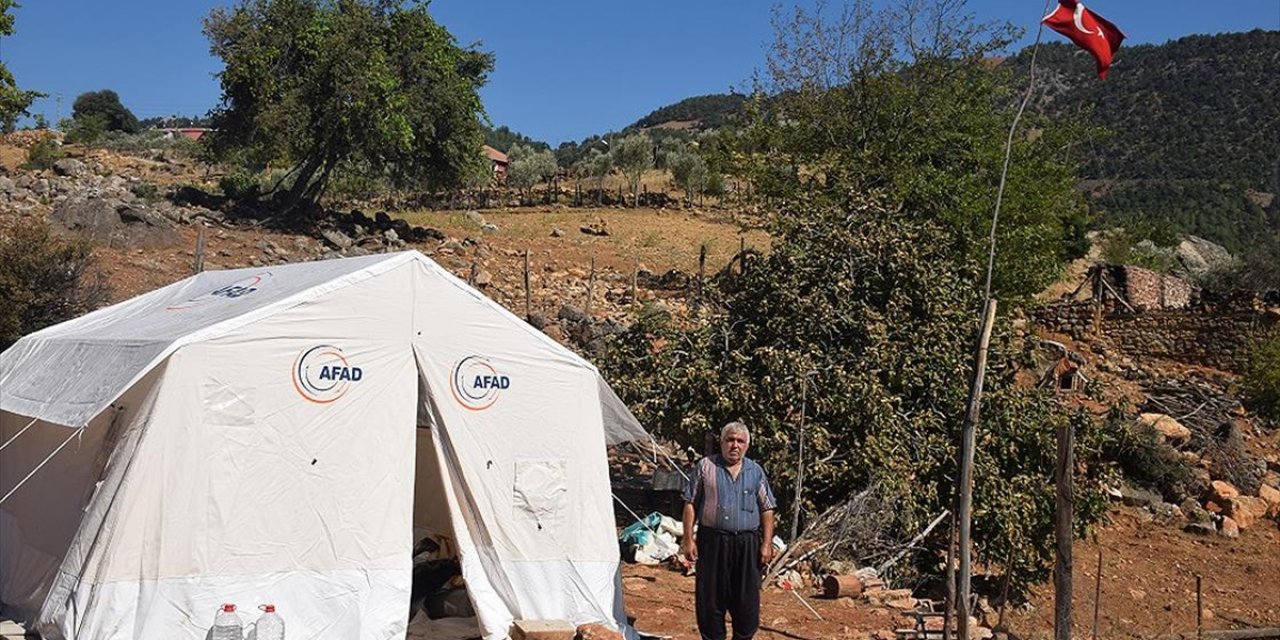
(727,503)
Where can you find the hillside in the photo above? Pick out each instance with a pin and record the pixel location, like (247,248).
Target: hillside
(1192,130)
(701,112)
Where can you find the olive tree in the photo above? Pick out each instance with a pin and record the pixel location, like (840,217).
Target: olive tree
(527,167)
(689,171)
(633,155)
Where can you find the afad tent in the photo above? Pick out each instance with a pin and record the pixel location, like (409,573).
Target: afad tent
(278,435)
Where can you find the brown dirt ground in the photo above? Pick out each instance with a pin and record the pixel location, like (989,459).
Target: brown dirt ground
(1148,589)
(1148,581)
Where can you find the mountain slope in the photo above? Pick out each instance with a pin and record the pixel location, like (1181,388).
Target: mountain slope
(1194,131)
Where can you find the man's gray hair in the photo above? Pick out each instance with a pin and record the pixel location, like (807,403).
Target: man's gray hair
(735,426)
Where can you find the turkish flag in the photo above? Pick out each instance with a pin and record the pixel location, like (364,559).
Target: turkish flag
(1088,30)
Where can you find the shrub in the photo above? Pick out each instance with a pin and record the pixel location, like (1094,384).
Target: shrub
(146,190)
(1145,459)
(43,154)
(84,130)
(240,185)
(44,280)
(1261,380)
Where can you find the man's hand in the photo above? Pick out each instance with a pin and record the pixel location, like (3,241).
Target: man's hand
(689,545)
(766,552)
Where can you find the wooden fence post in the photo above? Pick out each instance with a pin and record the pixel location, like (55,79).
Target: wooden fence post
(591,285)
(967,444)
(1097,594)
(198,265)
(471,279)
(1063,533)
(635,274)
(702,270)
(1199,609)
(528,303)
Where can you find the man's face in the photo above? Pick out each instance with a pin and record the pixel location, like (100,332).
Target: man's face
(733,446)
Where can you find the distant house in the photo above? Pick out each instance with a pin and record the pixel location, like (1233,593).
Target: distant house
(192,133)
(498,159)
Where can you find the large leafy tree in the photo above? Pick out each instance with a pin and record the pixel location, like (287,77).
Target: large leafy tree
(106,106)
(14,102)
(371,85)
(906,100)
(859,323)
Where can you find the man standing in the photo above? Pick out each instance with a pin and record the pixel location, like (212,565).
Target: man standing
(729,498)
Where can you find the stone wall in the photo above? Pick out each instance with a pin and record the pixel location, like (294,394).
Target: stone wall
(1211,334)
(1147,290)
(1214,340)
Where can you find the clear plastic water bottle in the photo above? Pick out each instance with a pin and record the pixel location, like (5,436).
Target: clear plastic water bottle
(270,626)
(227,624)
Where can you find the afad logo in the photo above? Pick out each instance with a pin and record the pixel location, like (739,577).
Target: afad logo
(476,384)
(232,291)
(322,374)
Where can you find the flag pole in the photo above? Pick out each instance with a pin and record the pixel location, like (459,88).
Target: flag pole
(972,412)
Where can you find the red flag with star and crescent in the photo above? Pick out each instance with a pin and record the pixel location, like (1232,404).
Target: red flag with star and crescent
(1088,30)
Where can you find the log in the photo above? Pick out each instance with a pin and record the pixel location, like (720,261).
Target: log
(841,586)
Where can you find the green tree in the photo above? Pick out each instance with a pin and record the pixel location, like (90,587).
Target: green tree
(44,280)
(528,166)
(598,165)
(873,309)
(689,171)
(633,155)
(105,104)
(316,84)
(14,102)
(904,101)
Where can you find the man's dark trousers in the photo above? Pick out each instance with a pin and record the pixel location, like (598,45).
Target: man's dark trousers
(728,580)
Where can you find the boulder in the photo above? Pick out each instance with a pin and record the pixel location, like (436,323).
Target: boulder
(1171,430)
(1228,528)
(1271,496)
(337,239)
(1220,491)
(69,167)
(1246,510)
(93,217)
(1193,512)
(1138,497)
(1203,528)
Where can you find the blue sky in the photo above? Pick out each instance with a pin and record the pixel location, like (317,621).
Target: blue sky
(565,69)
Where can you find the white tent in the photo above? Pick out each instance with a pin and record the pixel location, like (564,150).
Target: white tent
(278,435)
